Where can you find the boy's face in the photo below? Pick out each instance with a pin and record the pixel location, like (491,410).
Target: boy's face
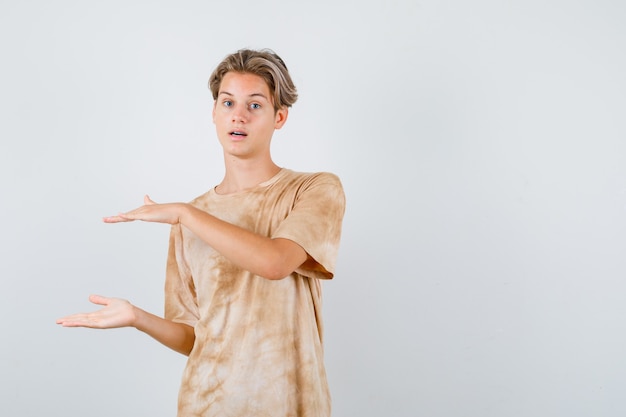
(244,116)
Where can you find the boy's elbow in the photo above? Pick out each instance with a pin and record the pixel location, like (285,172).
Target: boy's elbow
(275,273)
(283,260)
(277,269)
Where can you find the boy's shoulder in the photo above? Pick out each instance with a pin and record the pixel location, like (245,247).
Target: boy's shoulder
(318,177)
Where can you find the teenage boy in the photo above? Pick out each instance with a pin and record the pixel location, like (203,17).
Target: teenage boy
(242,286)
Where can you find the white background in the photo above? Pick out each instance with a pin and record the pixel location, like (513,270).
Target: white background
(482,147)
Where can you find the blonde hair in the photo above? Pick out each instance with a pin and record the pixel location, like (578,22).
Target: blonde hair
(264,63)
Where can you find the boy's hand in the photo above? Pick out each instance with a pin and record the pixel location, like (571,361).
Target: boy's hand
(150,212)
(116,313)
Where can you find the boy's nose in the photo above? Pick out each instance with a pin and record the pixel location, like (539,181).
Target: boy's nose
(239,115)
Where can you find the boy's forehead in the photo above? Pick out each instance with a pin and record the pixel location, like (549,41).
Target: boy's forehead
(243,83)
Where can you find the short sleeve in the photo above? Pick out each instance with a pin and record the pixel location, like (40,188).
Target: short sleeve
(315,223)
(180,293)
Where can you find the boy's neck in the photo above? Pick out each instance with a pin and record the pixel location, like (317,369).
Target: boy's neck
(243,175)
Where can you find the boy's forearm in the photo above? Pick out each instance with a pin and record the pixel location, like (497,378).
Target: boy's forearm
(269,258)
(176,336)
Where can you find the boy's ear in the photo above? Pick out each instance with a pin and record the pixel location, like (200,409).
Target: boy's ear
(281,117)
(213,111)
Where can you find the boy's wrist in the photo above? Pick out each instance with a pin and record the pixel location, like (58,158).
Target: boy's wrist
(185,212)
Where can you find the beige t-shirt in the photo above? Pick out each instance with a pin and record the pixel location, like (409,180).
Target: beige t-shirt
(258,349)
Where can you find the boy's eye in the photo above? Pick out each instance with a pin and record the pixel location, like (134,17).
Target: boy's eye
(255,106)
(228,103)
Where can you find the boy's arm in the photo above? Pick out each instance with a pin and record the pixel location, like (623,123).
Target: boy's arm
(120,313)
(263,256)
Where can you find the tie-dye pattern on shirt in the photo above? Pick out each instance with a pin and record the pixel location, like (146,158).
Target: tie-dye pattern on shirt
(258,349)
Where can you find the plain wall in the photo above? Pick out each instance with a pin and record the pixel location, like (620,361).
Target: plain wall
(482,147)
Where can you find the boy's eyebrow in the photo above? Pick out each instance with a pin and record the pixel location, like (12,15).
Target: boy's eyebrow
(251,95)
